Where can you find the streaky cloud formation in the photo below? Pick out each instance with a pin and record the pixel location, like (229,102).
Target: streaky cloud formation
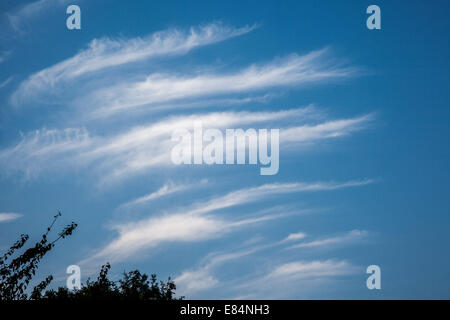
(264,191)
(126,100)
(350,237)
(29,11)
(163,89)
(9,216)
(310,269)
(7,81)
(191,281)
(197,223)
(167,189)
(44,147)
(294,237)
(140,148)
(178,227)
(325,130)
(106,53)
(208,275)
(293,278)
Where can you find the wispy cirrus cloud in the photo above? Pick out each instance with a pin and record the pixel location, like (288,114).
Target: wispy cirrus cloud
(196,223)
(326,130)
(294,237)
(310,269)
(157,91)
(191,281)
(128,153)
(298,278)
(9,216)
(168,89)
(54,147)
(105,53)
(120,155)
(167,189)
(265,191)
(207,275)
(282,279)
(103,80)
(350,237)
(23,13)
(135,238)
(5,82)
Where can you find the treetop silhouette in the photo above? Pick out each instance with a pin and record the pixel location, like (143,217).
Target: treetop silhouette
(17,272)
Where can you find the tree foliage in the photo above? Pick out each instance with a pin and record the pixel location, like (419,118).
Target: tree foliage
(133,286)
(17,272)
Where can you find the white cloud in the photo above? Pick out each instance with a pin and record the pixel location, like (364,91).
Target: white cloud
(145,147)
(141,148)
(178,227)
(196,223)
(5,82)
(310,269)
(207,102)
(295,279)
(167,189)
(107,52)
(117,155)
(281,280)
(326,130)
(350,237)
(43,149)
(31,10)
(203,278)
(129,153)
(263,192)
(190,282)
(168,89)
(295,237)
(9,216)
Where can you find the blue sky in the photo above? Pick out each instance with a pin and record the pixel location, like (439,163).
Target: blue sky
(86,118)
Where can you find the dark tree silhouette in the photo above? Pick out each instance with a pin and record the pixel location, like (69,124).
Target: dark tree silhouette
(133,286)
(16,273)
